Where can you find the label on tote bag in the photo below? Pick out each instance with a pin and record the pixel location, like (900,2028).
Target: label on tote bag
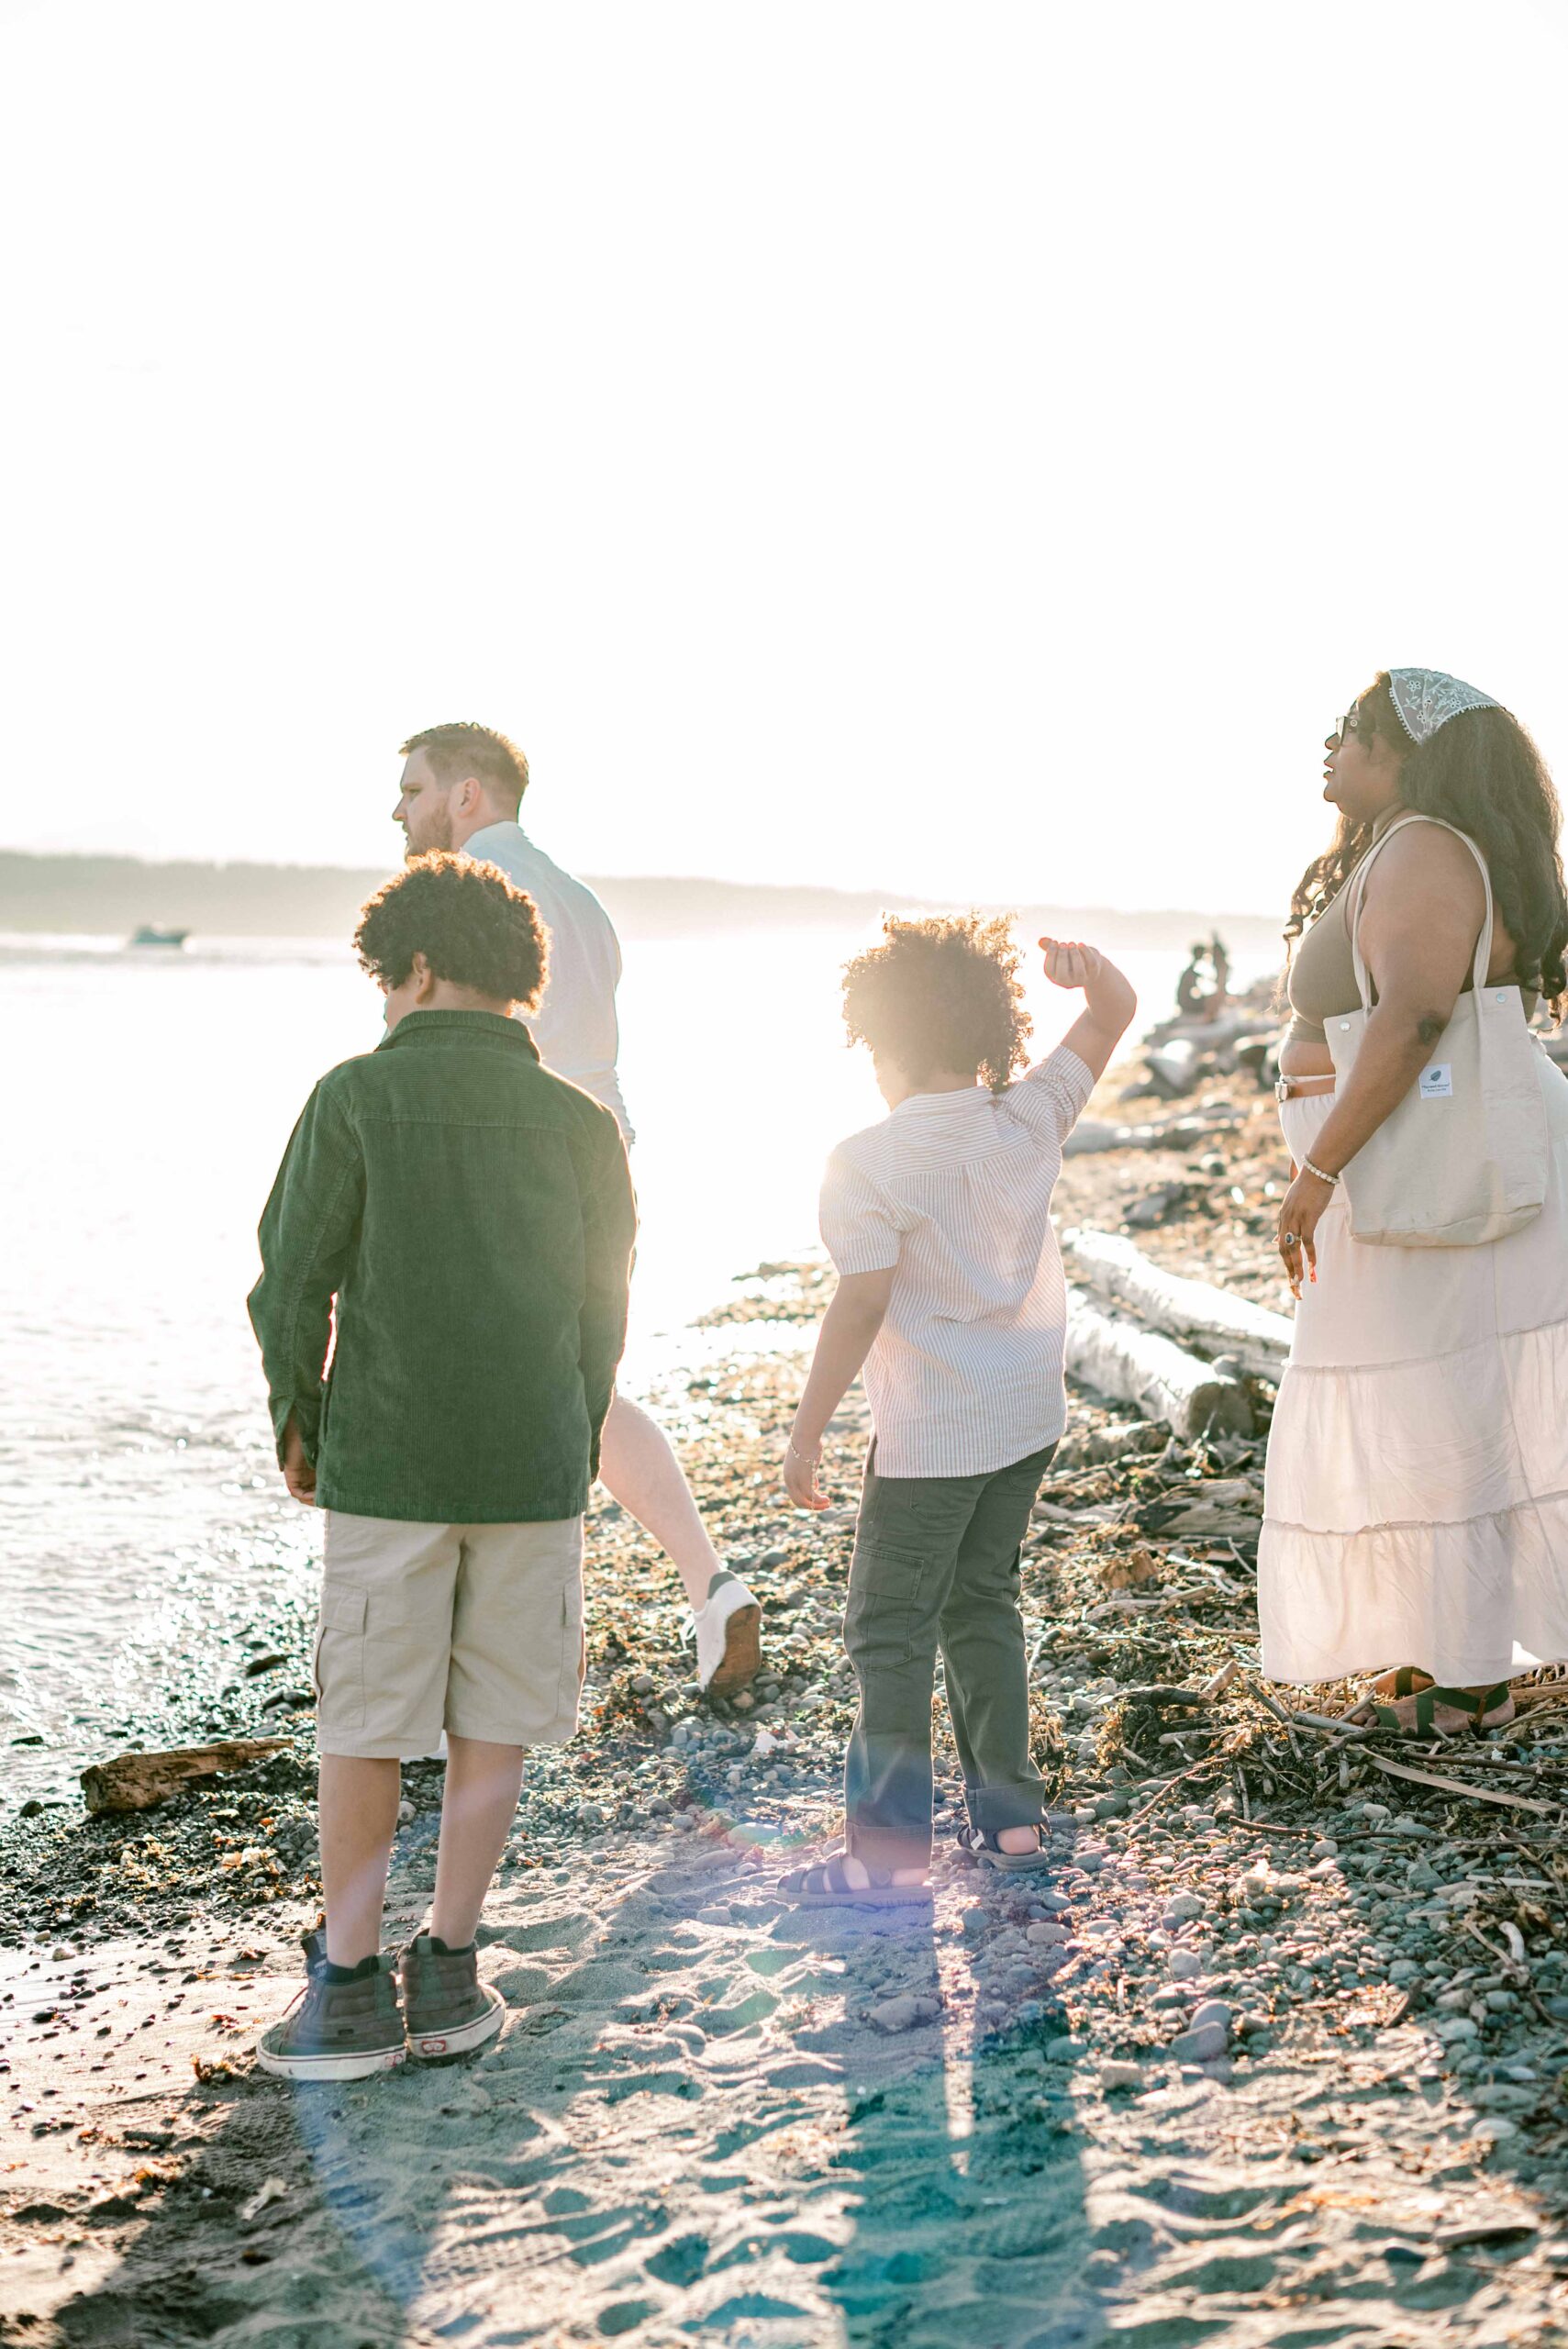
(1437,1082)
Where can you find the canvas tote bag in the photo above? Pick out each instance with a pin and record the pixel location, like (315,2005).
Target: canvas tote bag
(1463,1159)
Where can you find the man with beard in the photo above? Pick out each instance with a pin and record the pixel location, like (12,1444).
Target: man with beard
(462,785)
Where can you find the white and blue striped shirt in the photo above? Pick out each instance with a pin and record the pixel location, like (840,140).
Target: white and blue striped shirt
(954,1190)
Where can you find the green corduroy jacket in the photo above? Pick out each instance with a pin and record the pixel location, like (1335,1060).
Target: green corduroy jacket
(473,1216)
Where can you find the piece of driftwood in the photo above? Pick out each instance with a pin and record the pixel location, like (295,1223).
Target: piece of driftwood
(1206,1508)
(1158,1693)
(1324,1725)
(1244,1017)
(1132,1364)
(1090,1136)
(1209,1319)
(1464,1787)
(1176,1067)
(138,1781)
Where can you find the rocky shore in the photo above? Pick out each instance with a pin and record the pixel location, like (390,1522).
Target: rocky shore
(1276,2054)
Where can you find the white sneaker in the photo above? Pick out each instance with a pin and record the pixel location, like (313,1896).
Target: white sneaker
(729,1636)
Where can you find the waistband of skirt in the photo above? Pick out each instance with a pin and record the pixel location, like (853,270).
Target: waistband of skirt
(1304,1113)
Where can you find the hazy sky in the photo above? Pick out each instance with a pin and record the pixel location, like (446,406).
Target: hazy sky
(972,450)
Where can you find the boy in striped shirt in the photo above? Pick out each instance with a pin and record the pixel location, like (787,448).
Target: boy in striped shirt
(951,1297)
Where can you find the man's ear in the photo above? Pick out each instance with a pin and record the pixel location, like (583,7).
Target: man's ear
(424,978)
(470,796)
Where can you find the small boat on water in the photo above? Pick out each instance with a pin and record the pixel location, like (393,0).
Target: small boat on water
(150,933)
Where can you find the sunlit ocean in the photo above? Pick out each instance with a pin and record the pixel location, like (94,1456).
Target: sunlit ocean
(147,1098)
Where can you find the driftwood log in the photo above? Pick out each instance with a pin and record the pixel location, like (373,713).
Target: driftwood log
(138,1781)
(1091,1136)
(1116,1272)
(1210,1508)
(1131,1364)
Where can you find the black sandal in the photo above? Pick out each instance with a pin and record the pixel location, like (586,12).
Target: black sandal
(982,1845)
(826,1886)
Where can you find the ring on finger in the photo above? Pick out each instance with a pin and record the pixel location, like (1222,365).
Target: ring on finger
(1289,1239)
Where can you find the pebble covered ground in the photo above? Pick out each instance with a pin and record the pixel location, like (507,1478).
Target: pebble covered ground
(1275,2053)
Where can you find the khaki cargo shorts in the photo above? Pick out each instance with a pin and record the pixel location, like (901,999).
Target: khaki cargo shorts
(473,1628)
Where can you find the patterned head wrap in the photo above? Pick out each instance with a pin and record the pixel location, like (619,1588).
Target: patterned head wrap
(1426,698)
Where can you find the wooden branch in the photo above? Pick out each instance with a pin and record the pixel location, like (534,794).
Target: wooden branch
(1116,1272)
(138,1781)
(1135,1366)
(1463,1786)
(1324,1723)
(1203,1762)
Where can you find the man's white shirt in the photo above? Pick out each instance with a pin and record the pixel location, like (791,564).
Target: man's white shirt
(575,1026)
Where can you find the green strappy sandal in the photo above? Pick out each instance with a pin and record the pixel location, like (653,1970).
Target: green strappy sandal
(1435,1711)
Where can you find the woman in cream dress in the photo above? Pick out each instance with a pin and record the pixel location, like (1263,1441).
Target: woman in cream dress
(1416,1512)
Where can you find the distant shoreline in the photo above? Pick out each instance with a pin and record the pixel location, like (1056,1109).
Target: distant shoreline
(112,895)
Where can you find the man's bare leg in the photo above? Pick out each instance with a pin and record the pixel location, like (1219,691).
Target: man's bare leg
(637,1468)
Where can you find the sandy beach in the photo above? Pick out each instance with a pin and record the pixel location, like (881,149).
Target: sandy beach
(1274,2054)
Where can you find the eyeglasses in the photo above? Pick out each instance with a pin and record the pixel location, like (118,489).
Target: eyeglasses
(1349,724)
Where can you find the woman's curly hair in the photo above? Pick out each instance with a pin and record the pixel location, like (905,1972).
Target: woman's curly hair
(941,994)
(471,924)
(1481,773)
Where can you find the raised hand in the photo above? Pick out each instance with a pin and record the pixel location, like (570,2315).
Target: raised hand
(1069,962)
(1110,1002)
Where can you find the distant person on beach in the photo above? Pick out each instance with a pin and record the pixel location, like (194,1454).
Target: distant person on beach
(1415,1504)
(1203,989)
(448,1240)
(462,787)
(951,1296)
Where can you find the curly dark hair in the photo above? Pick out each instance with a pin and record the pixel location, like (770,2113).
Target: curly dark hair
(1481,773)
(941,994)
(460,749)
(471,924)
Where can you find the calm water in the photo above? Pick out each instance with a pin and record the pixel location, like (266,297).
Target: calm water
(149,1097)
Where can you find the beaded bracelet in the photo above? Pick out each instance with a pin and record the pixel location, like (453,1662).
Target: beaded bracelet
(1310,1169)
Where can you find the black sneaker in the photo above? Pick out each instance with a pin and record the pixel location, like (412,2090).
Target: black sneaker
(338,2029)
(450,2011)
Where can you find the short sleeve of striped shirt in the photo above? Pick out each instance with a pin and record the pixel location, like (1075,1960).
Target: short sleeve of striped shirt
(856,1219)
(1052,1095)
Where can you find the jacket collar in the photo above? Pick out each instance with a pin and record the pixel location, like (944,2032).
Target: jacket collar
(461,1028)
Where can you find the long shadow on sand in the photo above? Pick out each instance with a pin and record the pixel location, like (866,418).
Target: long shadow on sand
(692,2131)
(966,2189)
(689,2131)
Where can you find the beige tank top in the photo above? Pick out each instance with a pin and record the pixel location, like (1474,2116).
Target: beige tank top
(1322,972)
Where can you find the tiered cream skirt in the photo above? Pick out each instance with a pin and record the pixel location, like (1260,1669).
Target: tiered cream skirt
(1417,1496)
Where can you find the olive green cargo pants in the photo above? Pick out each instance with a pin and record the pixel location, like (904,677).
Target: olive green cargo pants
(936,1567)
